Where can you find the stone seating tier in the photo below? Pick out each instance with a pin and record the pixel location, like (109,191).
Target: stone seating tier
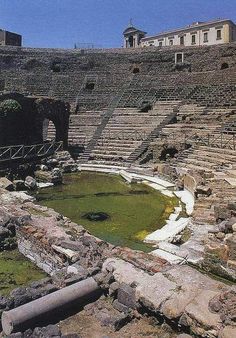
(64,74)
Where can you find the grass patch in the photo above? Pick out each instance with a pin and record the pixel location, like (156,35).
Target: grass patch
(36,212)
(16,270)
(185,235)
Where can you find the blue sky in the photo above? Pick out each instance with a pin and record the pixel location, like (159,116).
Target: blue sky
(61,23)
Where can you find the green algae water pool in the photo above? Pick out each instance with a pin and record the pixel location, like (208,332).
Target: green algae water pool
(16,270)
(129,211)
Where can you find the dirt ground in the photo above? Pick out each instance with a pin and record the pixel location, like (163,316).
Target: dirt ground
(86,325)
(89,327)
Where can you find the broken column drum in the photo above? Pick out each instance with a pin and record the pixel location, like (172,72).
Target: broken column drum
(41,310)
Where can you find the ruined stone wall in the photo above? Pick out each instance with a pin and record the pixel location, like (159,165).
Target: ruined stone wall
(64,73)
(18,127)
(25,125)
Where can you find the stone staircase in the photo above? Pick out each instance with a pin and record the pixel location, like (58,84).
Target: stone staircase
(83,126)
(194,122)
(219,95)
(98,132)
(205,209)
(168,107)
(129,132)
(209,159)
(217,166)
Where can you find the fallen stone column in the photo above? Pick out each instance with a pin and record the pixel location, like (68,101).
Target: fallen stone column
(43,309)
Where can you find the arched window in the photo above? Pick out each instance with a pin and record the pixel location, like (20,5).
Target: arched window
(131,41)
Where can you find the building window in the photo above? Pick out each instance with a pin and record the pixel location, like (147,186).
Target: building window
(218,34)
(171,42)
(193,39)
(205,37)
(179,57)
(160,44)
(182,40)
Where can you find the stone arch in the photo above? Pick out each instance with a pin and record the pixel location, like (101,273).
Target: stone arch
(135,68)
(57,113)
(168,152)
(49,130)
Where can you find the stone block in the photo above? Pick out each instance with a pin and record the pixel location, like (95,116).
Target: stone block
(231,243)
(6,184)
(72,245)
(153,292)
(113,288)
(228,332)
(174,307)
(234,227)
(219,250)
(30,183)
(126,296)
(120,307)
(198,314)
(231,264)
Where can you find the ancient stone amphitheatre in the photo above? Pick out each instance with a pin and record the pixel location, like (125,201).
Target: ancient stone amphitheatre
(138,114)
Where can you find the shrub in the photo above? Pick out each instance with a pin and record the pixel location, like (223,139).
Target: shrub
(9,106)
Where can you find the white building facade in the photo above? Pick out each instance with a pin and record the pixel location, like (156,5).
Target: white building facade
(198,34)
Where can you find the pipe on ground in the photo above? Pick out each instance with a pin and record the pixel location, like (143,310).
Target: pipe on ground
(42,309)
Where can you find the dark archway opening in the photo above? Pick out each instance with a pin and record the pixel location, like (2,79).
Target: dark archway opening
(145,106)
(56,68)
(131,41)
(49,130)
(168,153)
(136,70)
(224,65)
(90,86)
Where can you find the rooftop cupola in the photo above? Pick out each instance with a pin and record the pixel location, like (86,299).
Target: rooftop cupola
(132,36)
